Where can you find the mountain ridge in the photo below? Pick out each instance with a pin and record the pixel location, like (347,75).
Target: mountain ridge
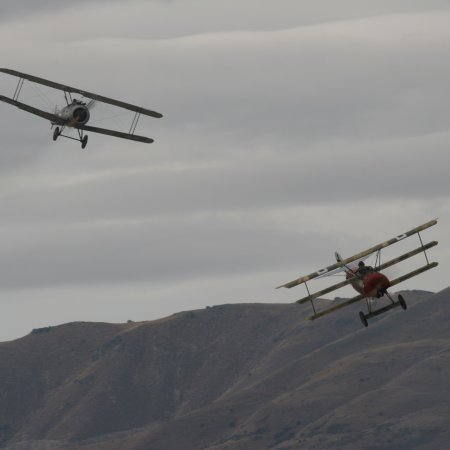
(230,377)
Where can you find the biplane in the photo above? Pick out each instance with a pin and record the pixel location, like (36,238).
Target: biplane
(77,112)
(369,281)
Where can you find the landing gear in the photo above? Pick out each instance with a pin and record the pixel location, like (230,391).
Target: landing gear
(372,313)
(402,302)
(84,141)
(56,133)
(363,318)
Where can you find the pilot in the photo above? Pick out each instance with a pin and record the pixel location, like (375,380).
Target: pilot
(363,269)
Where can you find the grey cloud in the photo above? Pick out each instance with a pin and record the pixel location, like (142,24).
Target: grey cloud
(167,19)
(336,175)
(15,9)
(146,251)
(276,146)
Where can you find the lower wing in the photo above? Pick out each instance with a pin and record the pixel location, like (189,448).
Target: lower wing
(31,109)
(132,137)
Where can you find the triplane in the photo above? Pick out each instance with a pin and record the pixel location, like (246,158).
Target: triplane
(76,113)
(368,281)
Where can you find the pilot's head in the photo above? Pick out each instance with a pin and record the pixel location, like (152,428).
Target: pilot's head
(361,264)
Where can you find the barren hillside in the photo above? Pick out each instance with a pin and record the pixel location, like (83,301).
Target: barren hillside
(241,376)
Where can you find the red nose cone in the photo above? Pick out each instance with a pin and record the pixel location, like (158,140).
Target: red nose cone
(373,282)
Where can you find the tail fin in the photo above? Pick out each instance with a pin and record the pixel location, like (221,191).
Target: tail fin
(338,257)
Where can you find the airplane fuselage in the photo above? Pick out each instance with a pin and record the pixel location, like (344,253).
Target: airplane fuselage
(371,283)
(77,113)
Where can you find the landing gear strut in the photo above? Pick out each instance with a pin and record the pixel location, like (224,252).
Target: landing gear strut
(362,316)
(56,133)
(84,141)
(402,302)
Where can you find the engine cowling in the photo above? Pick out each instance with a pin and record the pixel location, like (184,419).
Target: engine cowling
(76,113)
(80,115)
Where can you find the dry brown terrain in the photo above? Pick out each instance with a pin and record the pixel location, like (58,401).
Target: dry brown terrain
(241,376)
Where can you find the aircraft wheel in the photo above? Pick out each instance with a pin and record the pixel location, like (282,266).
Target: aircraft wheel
(362,316)
(56,133)
(402,302)
(84,142)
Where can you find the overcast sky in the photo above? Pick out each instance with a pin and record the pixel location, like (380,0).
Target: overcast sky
(291,129)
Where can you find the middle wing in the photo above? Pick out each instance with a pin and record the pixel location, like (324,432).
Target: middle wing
(360,255)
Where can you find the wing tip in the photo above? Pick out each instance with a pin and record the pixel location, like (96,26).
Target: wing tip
(10,71)
(154,114)
(287,285)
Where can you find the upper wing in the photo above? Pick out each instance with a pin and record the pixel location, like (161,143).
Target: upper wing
(132,137)
(38,112)
(341,270)
(65,88)
(360,255)
(361,296)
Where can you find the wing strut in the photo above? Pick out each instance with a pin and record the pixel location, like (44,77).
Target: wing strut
(18,89)
(310,297)
(423,248)
(134,123)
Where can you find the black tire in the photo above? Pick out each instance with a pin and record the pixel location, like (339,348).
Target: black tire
(362,316)
(56,133)
(84,142)
(402,302)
